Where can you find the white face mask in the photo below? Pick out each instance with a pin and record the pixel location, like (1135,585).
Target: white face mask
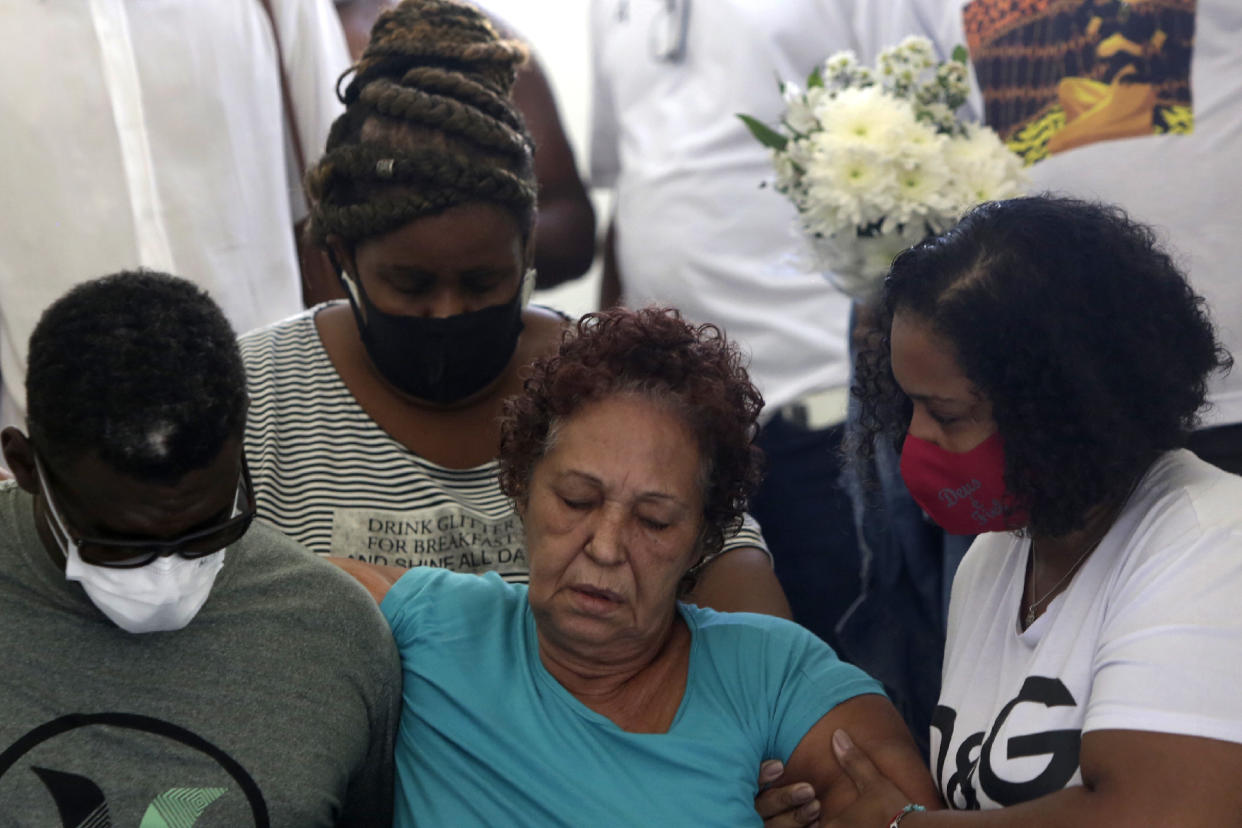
(162,596)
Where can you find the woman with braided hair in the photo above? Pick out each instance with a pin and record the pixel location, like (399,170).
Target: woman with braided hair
(374,430)
(374,424)
(374,427)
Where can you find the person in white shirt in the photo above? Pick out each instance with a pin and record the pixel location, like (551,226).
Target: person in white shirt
(694,229)
(1041,366)
(155,135)
(1134,104)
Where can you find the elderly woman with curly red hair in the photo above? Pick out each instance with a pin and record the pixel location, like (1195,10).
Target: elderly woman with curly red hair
(373,433)
(592,696)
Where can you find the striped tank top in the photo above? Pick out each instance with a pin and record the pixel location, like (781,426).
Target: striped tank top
(328,476)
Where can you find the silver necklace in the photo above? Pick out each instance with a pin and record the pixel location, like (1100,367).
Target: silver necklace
(1107,524)
(1033,605)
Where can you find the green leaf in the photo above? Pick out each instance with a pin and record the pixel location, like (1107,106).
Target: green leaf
(764,134)
(960,55)
(814,79)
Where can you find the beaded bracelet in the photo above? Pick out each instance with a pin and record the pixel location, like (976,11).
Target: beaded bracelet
(903,813)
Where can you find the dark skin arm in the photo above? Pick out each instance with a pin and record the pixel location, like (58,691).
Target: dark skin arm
(610,276)
(741,580)
(376,579)
(1129,777)
(565,232)
(319,280)
(357,17)
(877,725)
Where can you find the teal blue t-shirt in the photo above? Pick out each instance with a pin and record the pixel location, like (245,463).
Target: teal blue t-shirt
(489,737)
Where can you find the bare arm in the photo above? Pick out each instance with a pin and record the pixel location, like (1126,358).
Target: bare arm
(874,722)
(741,580)
(357,18)
(375,578)
(610,276)
(1129,778)
(565,233)
(319,279)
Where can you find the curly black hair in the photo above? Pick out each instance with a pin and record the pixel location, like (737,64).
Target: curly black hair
(1078,328)
(141,367)
(653,352)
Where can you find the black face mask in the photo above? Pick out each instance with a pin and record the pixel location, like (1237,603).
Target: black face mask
(438,360)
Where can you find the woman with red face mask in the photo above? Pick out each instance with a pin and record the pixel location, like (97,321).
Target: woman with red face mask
(1039,367)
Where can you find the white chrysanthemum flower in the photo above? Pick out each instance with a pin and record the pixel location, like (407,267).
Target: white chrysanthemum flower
(840,259)
(801,152)
(840,69)
(821,217)
(983,168)
(842,61)
(939,116)
(786,172)
(917,50)
(876,253)
(863,115)
(882,152)
(800,108)
(952,75)
(916,144)
(858,183)
(921,190)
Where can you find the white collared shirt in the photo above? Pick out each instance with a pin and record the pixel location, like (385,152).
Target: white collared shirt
(152,134)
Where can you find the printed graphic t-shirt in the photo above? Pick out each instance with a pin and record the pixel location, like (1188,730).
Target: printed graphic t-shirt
(328,476)
(1135,104)
(275,706)
(1146,637)
(488,737)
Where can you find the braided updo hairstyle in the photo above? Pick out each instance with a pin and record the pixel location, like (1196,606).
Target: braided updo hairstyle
(428,125)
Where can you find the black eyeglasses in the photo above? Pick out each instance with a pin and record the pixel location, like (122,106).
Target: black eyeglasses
(124,553)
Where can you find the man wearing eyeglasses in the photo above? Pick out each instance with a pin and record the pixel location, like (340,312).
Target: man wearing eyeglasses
(166,660)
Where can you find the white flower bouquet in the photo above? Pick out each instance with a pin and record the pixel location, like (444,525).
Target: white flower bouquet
(877,159)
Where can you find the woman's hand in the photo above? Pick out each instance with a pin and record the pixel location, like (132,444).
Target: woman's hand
(872,721)
(784,806)
(879,800)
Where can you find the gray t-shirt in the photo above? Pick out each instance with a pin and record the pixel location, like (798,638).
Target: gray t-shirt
(275,706)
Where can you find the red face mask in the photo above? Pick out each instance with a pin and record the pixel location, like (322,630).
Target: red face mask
(964,493)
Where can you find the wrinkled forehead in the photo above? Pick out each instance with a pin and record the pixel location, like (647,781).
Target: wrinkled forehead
(645,425)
